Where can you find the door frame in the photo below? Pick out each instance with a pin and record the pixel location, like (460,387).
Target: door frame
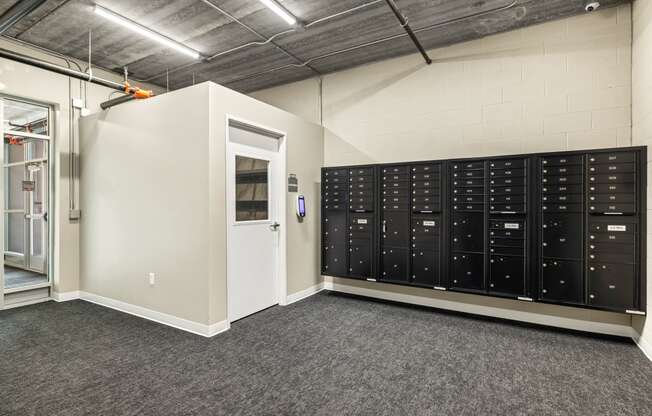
(53,116)
(278,187)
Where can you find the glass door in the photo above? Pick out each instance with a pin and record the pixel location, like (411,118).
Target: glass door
(26,135)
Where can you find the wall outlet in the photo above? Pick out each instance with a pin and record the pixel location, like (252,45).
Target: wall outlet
(152,279)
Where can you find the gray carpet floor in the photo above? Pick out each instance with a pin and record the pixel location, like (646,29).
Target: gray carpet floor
(327,355)
(15,277)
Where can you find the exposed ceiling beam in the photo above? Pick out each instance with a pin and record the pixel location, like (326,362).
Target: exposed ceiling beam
(17,12)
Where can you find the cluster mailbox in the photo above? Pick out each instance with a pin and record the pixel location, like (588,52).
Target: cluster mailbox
(565,228)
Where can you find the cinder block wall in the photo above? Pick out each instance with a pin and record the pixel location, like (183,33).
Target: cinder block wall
(561,85)
(642,131)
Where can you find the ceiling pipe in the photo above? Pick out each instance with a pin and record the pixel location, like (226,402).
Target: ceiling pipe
(116,101)
(378,41)
(17,12)
(262,42)
(404,23)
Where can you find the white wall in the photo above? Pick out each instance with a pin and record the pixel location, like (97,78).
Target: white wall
(562,85)
(642,132)
(154,196)
(24,81)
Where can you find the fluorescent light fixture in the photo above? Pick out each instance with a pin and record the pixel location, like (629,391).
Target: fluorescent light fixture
(142,30)
(280,10)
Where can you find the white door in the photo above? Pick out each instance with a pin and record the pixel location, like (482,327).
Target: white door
(253,168)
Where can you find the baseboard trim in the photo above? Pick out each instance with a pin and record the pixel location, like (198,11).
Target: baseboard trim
(644,346)
(64,296)
(159,317)
(529,317)
(306,293)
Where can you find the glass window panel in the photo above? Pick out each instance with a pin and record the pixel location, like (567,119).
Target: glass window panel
(14,149)
(37,236)
(15,232)
(25,117)
(251,189)
(15,198)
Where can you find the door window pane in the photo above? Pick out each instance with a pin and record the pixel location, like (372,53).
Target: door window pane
(251,194)
(25,117)
(15,196)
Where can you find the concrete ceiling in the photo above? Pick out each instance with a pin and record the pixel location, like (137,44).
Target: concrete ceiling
(63,25)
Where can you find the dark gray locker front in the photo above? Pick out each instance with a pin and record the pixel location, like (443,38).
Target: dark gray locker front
(612,291)
(562,236)
(334,227)
(395,263)
(468,232)
(360,261)
(561,281)
(468,272)
(335,259)
(425,268)
(507,275)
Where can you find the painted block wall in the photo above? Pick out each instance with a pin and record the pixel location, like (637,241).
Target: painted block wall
(562,85)
(642,132)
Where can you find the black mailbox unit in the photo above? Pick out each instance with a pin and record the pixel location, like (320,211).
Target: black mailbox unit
(566,228)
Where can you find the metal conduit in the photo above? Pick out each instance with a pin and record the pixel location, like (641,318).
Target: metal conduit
(261,42)
(408,29)
(376,42)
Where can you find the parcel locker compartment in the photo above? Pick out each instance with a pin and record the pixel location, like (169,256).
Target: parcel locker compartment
(562,170)
(396,169)
(425,268)
(562,236)
(400,192)
(425,239)
(507,251)
(464,183)
(334,227)
(468,191)
(360,261)
(395,264)
(562,160)
(334,179)
(334,260)
(468,271)
(396,229)
(507,199)
(365,207)
(507,275)
(612,188)
(612,208)
(361,186)
(613,178)
(562,199)
(604,198)
(612,290)
(507,164)
(561,208)
(468,165)
(500,173)
(335,173)
(361,179)
(432,184)
(506,181)
(613,237)
(612,253)
(562,189)
(424,208)
(615,157)
(506,242)
(426,199)
(507,207)
(561,281)
(426,168)
(507,190)
(469,207)
(468,174)
(613,168)
(428,177)
(562,180)
(396,207)
(361,172)
(468,232)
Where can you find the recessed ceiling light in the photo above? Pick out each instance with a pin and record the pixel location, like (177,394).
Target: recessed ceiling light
(274,6)
(135,27)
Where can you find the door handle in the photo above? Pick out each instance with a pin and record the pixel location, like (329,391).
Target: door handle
(275,226)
